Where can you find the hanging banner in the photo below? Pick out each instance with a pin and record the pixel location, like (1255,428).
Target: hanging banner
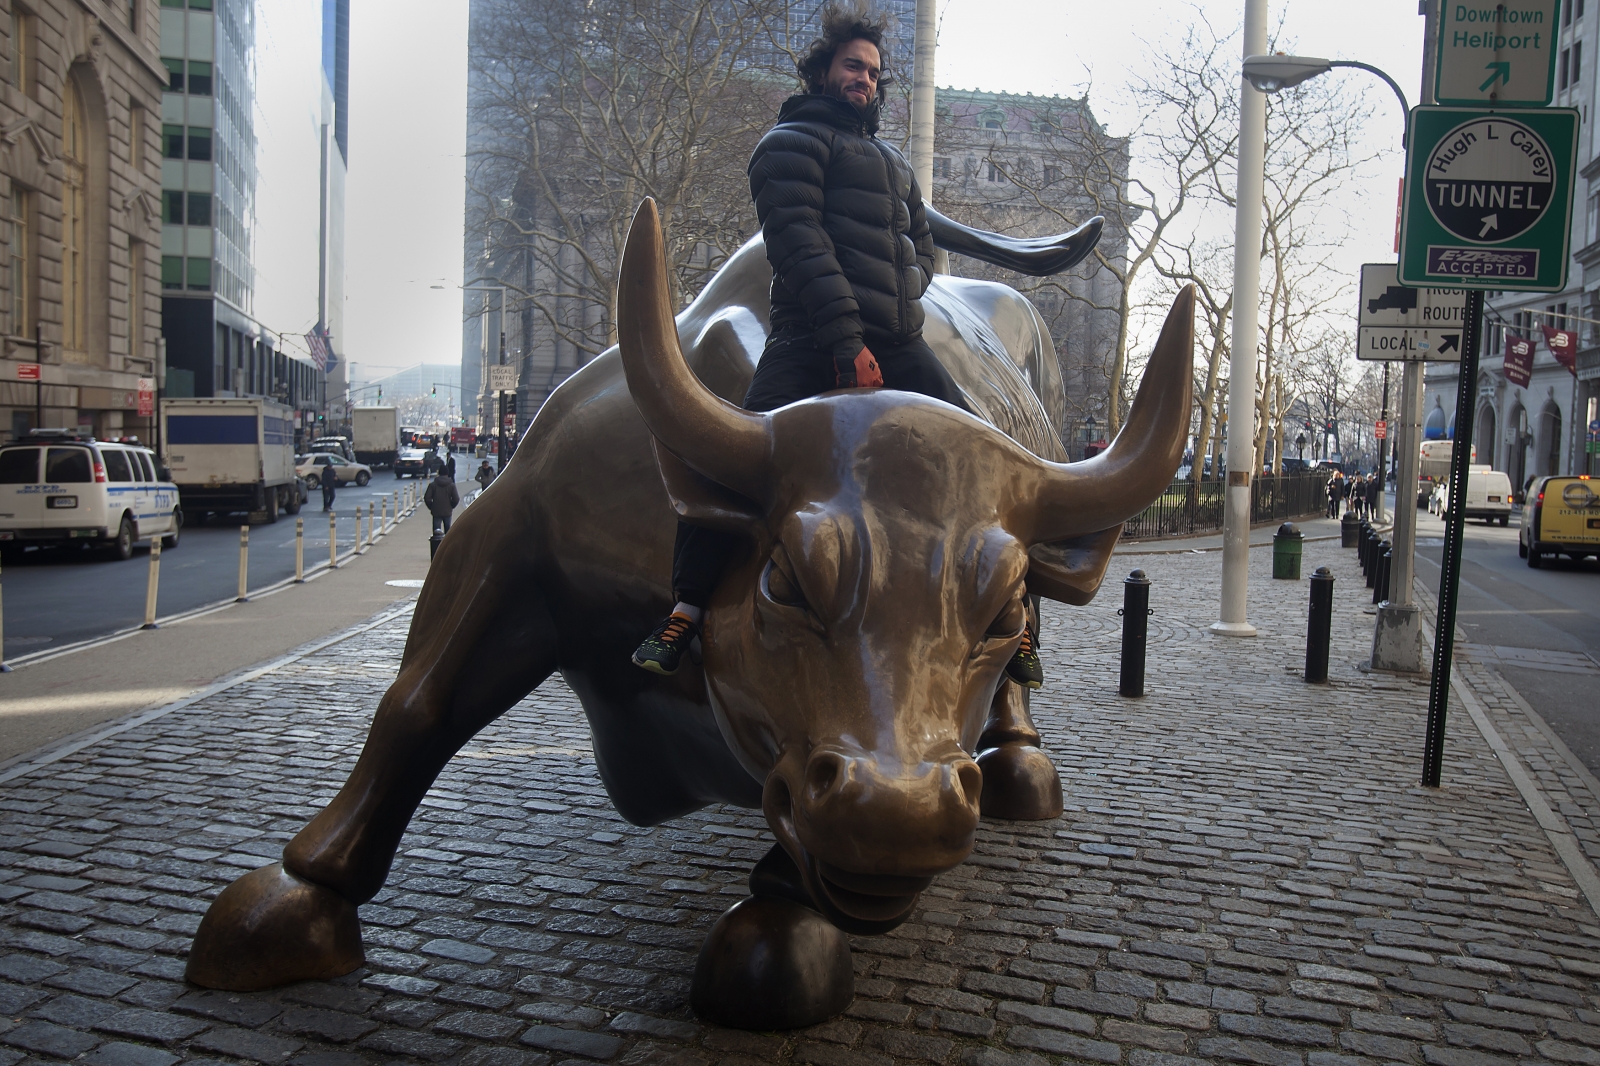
(1519,361)
(1564,346)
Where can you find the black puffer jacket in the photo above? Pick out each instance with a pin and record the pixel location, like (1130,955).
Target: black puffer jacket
(846,233)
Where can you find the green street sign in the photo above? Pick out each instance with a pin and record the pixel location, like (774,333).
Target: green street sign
(1488,199)
(1497,53)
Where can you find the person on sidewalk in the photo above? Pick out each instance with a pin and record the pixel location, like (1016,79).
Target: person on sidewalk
(1335,491)
(484,475)
(441,499)
(852,254)
(330,483)
(450,464)
(1372,496)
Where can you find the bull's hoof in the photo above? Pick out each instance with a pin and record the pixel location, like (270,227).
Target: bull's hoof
(771,963)
(1020,784)
(270,928)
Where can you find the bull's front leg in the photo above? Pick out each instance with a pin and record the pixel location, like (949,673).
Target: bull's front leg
(1020,782)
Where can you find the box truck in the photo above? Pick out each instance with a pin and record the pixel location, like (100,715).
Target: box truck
(377,434)
(231,455)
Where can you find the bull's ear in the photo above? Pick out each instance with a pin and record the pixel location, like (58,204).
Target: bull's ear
(1071,570)
(698,499)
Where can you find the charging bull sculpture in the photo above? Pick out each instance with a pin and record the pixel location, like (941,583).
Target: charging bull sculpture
(852,681)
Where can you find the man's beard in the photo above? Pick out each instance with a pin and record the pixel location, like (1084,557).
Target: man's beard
(838,93)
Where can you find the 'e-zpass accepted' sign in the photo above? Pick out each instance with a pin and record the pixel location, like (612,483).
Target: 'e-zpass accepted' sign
(1497,53)
(1488,201)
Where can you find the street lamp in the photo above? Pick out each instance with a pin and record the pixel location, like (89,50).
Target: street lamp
(1273,73)
(500,407)
(1300,442)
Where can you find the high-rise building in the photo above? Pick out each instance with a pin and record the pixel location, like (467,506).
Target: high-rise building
(217,345)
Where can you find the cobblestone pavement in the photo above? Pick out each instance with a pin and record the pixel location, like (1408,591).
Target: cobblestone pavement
(1246,872)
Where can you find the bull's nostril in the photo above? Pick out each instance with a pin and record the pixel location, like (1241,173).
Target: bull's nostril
(971,779)
(822,775)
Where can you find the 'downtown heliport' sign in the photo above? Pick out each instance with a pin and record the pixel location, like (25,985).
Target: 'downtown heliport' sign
(1488,200)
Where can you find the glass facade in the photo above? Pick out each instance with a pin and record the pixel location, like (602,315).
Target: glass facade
(208,139)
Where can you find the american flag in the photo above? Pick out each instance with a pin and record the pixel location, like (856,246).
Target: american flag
(317,341)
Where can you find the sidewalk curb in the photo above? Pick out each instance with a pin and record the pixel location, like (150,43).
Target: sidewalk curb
(28,762)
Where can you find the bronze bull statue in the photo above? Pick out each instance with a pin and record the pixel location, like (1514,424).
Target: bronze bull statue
(851,683)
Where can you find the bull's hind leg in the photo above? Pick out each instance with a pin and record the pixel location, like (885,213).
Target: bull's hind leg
(1019,781)
(480,640)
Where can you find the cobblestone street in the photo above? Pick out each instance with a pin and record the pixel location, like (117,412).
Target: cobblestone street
(1247,872)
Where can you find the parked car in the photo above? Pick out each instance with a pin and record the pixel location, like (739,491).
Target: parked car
(1488,496)
(411,462)
(1561,517)
(317,466)
(61,486)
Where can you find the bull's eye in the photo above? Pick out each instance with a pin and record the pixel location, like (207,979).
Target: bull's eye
(783,588)
(1009,621)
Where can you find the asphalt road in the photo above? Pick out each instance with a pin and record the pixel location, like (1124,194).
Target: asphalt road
(1541,628)
(56,596)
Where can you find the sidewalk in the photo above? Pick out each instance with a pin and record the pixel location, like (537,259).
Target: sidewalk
(59,695)
(1246,872)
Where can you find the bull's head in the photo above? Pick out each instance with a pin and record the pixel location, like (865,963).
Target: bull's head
(852,658)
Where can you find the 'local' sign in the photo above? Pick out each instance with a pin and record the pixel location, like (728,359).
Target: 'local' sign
(1488,201)
(1497,53)
(1396,322)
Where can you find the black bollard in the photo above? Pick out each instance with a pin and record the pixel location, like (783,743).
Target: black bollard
(1135,630)
(1369,538)
(1374,549)
(1349,531)
(433,544)
(1380,578)
(1362,536)
(1385,565)
(1319,629)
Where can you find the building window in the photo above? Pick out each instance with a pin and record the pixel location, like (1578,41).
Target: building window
(136,299)
(172,206)
(1577,61)
(1051,174)
(174,74)
(994,173)
(22,49)
(1566,13)
(172,272)
(74,221)
(1561,76)
(200,144)
(199,209)
(136,123)
(200,274)
(941,167)
(172,141)
(19,241)
(133,15)
(199,78)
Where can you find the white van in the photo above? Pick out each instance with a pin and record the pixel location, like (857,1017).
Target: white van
(1488,495)
(60,485)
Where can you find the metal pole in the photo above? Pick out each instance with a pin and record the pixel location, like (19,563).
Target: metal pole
(4,669)
(244,562)
(153,585)
(1383,449)
(299,550)
(1246,335)
(369,524)
(923,93)
(383,516)
(1319,629)
(1444,630)
(1135,632)
(333,542)
(38,384)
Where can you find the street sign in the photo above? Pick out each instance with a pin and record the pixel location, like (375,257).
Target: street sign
(502,379)
(1381,430)
(1488,200)
(1497,53)
(27,371)
(1396,322)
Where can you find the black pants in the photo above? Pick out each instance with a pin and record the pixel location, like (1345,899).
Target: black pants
(792,368)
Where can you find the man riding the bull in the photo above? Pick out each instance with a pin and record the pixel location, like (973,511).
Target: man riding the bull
(851,253)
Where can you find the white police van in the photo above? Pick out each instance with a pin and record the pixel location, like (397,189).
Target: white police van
(61,486)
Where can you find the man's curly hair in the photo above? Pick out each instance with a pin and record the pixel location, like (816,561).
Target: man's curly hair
(841,24)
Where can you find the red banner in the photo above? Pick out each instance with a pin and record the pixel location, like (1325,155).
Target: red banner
(1519,360)
(1564,346)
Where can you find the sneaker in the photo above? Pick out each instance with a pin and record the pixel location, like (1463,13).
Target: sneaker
(1024,667)
(663,650)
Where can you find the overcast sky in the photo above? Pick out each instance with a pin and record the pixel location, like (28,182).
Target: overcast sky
(408,98)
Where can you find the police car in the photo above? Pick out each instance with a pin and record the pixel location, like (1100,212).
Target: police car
(62,486)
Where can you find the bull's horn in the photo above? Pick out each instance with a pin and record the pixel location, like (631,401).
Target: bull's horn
(1105,491)
(727,445)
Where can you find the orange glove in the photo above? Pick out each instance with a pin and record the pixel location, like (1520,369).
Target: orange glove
(868,376)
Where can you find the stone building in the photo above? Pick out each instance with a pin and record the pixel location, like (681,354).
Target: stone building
(80,158)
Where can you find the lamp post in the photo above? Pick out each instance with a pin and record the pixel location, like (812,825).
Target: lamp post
(500,406)
(1300,442)
(1089,438)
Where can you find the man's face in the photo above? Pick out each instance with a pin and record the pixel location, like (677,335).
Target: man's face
(854,73)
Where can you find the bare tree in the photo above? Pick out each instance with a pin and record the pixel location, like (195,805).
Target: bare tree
(587,108)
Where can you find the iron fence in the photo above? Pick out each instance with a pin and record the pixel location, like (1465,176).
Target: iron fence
(1197,506)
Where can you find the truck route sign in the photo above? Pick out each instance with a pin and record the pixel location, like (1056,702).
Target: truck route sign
(1395,322)
(1497,53)
(1488,199)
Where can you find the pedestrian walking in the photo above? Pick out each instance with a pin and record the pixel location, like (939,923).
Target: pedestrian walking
(484,475)
(1335,491)
(441,499)
(450,465)
(1355,496)
(330,482)
(1374,489)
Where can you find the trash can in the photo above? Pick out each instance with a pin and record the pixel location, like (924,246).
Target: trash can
(1286,544)
(1349,531)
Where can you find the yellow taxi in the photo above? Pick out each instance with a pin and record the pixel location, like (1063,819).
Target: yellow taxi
(1560,517)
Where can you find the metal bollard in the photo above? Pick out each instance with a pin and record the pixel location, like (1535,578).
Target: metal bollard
(1376,580)
(1319,629)
(4,669)
(1385,565)
(383,519)
(370,527)
(1135,630)
(396,509)
(244,562)
(1363,534)
(333,542)
(299,550)
(1374,549)
(1369,537)
(153,585)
